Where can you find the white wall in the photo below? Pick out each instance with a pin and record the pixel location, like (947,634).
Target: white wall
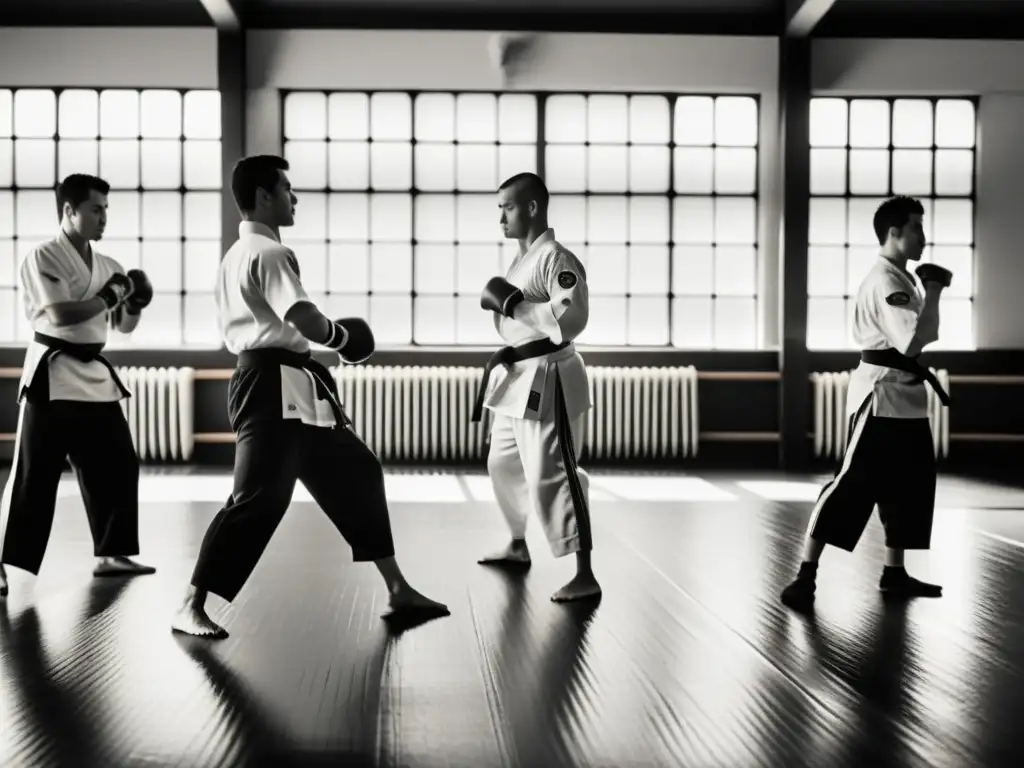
(993,71)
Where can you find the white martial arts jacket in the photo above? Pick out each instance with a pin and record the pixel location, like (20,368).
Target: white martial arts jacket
(557,307)
(51,273)
(886,312)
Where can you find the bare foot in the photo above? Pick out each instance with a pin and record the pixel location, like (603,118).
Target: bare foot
(408,601)
(515,554)
(192,620)
(3,582)
(121,566)
(581,587)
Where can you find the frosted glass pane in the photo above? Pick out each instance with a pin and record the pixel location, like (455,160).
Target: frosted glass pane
(161,214)
(828,171)
(859,261)
(305,116)
(435,117)
(607,219)
(391,267)
(348,267)
(8,264)
(647,321)
(434,320)
(607,325)
(607,168)
(694,171)
(912,123)
(735,221)
(310,219)
(119,114)
(391,319)
(826,266)
(6,113)
(202,258)
(349,217)
(517,118)
(161,164)
(736,171)
(477,167)
(10,308)
(476,117)
(308,164)
(567,214)
(735,271)
(861,218)
(312,258)
(348,165)
(348,116)
(693,270)
(912,172)
(35,113)
(391,165)
(35,214)
(827,221)
(119,162)
(829,122)
(477,218)
(391,218)
(347,305)
(202,215)
(693,323)
(201,327)
(124,215)
(607,270)
(565,119)
(693,220)
(869,123)
(735,323)
(6,163)
(35,163)
(694,121)
(390,117)
(953,222)
(161,324)
(7,213)
(736,121)
(955,123)
(607,119)
(960,261)
(76,156)
(956,324)
(827,324)
(202,115)
(472,326)
(434,167)
(649,169)
(202,164)
(435,219)
(649,120)
(475,265)
(160,114)
(869,171)
(954,172)
(78,114)
(565,168)
(516,158)
(127,252)
(648,220)
(648,271)
(162,261)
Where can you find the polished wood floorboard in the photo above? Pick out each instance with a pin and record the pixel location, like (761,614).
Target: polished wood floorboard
(688,660)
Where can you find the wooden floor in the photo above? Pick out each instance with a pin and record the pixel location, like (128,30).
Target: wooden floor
(689,660)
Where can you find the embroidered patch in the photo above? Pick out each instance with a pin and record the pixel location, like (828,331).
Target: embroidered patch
(566,279)
(533,401)
(898,299)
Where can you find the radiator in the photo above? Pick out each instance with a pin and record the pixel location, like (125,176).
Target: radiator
(160,413)
(831,428)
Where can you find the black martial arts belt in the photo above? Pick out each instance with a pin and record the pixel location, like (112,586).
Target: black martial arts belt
(322,379)
(890,358)
(87,353)
(507,356)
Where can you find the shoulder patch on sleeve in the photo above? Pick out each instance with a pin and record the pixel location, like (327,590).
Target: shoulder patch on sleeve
(898,299)
(567,279)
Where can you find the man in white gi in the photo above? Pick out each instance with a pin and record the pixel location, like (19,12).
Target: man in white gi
(285,411)
(70,395)
(889,459)
(540,403)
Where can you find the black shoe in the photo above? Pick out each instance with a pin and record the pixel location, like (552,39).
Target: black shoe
(800,594)
(896,582)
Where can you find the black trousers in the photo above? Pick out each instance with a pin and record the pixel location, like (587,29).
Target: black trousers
(889,463)
(96,440)
(342,475)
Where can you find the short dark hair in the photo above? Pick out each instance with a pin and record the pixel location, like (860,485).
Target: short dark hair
(531,187)
(252,173)
(76,188)
(895,212)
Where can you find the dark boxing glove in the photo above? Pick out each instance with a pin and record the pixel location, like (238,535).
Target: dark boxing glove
(352,338)
(933,273)
(115,291)
(142,292)
(500,296)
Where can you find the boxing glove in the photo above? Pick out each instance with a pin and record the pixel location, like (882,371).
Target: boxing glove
(352,338)
(115,291)
(500,296)
(142,292)
(933,273)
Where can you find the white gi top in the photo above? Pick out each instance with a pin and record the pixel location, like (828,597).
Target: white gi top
(55,272)
(557,307)
(885,315)
(257,283)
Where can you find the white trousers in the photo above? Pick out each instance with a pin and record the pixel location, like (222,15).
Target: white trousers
(527,471)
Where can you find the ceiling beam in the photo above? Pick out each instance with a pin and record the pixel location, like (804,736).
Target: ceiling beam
(802,16)
(224,14)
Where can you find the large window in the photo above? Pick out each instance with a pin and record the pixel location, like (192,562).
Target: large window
(160,150)
(862,151)
(397,216)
